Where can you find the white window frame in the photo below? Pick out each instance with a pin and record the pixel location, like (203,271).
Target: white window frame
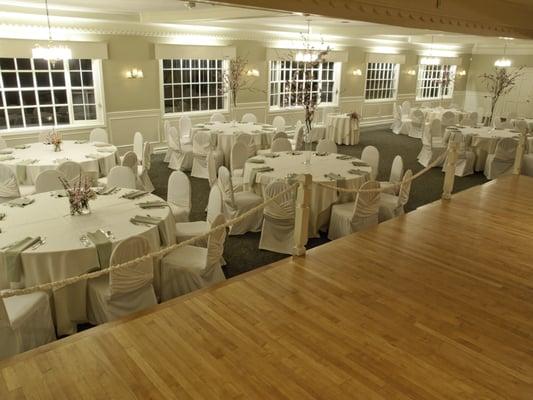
(383,82)
(437,72)
(73,124)
(225,109)
(337,67)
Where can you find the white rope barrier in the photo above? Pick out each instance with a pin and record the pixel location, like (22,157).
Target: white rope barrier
(388,187)
(156,254)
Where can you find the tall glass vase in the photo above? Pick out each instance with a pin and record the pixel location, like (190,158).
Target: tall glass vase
(308,146)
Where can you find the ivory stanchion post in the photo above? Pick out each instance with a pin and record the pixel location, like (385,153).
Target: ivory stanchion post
(301,220)
(517,168)
(449,174)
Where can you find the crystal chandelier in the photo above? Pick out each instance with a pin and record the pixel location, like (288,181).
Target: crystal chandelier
(52,52)
(308,55)
(503,62)
(431,59)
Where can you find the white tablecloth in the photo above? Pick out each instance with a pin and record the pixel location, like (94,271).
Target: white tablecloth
(223,135)
(321,198)
(436,113)
(64,255)
(342,129)
(49,159)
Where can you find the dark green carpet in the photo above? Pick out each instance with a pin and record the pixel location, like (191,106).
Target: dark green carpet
(241,252)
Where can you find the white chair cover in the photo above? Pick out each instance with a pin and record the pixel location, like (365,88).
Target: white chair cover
(217,117)
(471,120)
(138,144)
(179,196)
(181,157)
(249,118)
(347,218)
(166,127)
(48,181)
(277,233)
(201,146)
(191,268)
(125,291)
(281,144)
(25,323)
(370,155)
(9,187)
(401,123)
(131,161)
(279,123)
(393,206)
(239,155)
(299,139)
(326,146)
(502,161)
(71,170)
(123,177)
(236,204)
(432,146)
(280,135)
(396,173)
(143,179)
(185,128)
(248,140)
(465,156)
(522,126)
(418,122)
(98,135)
(212,167)
(406,108)
(448,119)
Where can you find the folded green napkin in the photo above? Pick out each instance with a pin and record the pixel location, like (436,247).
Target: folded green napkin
(134,194)
(344,157)
(101,144)
(6,157)
(359,164)
(21,202)
(103,247)
(255,171)
(107,190)
(92,156)
(13,260)
(6,151)
(160,223)
(105,150)
(321,154)
(80,141)
(271,155)
(356,171)
(294,153)
(256,160)
(22,146)
(153,204)
(334,176)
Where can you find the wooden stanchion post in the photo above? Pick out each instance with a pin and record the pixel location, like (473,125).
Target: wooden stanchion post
(517,168)
(301,219)
(449,173)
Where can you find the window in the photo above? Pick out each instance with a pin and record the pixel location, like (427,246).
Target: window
(323,82)
(193,85)
(381,81)
(435,82)
(36,93)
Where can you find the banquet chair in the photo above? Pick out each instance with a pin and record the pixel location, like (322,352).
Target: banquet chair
(522,126)
(185,130)
(432,145)
(248,140)
(501,162)
(448,119)
(124,291)
(48,181)
(138,145)
(9,186)
(123,177)
(143,178)
(281,144)
(466,157)
(217,117)
(166,127)
(25,323)
(401,124)
(249,118)
(236,204)
(239,155)
(292,132)
(279,123)
(471,119)
(179,196)
(71,170)
(190,268)
(131,161)
(406,109)
(347,218)
(277,233)
(212,167)
(3,144)
(396,172)
(201,146)
(188,230)
(370,155)
(98,135)
(418,124)
(280,135)
(298,141)
(390,205)
(181,155)
(326,146)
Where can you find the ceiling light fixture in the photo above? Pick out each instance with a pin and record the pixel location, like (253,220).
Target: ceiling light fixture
(431,59)
(307,55)
(51,52)
(503,62)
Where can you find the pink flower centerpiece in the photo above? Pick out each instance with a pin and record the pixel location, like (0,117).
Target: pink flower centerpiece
(79,195)
(55,139)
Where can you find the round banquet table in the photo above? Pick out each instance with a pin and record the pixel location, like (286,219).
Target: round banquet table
(91,156)
(431,113)
(342,129)
(529,122)
(223,135)
(63,255)
(321,198)
(484,140)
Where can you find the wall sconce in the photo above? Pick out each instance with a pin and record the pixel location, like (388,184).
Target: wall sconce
(134,73)
(357,72)
(411,72)
(252,72)
(461,72)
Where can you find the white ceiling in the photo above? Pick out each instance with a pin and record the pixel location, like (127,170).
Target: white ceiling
(169,18)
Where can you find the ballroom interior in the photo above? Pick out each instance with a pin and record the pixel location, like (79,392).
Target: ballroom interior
(266,199)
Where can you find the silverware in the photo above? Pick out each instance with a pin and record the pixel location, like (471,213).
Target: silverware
(85,241)
(39,243)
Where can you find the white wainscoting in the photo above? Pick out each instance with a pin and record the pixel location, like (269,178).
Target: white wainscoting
(122,125)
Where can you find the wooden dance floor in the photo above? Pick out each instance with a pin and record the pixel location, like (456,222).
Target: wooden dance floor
(437,304)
